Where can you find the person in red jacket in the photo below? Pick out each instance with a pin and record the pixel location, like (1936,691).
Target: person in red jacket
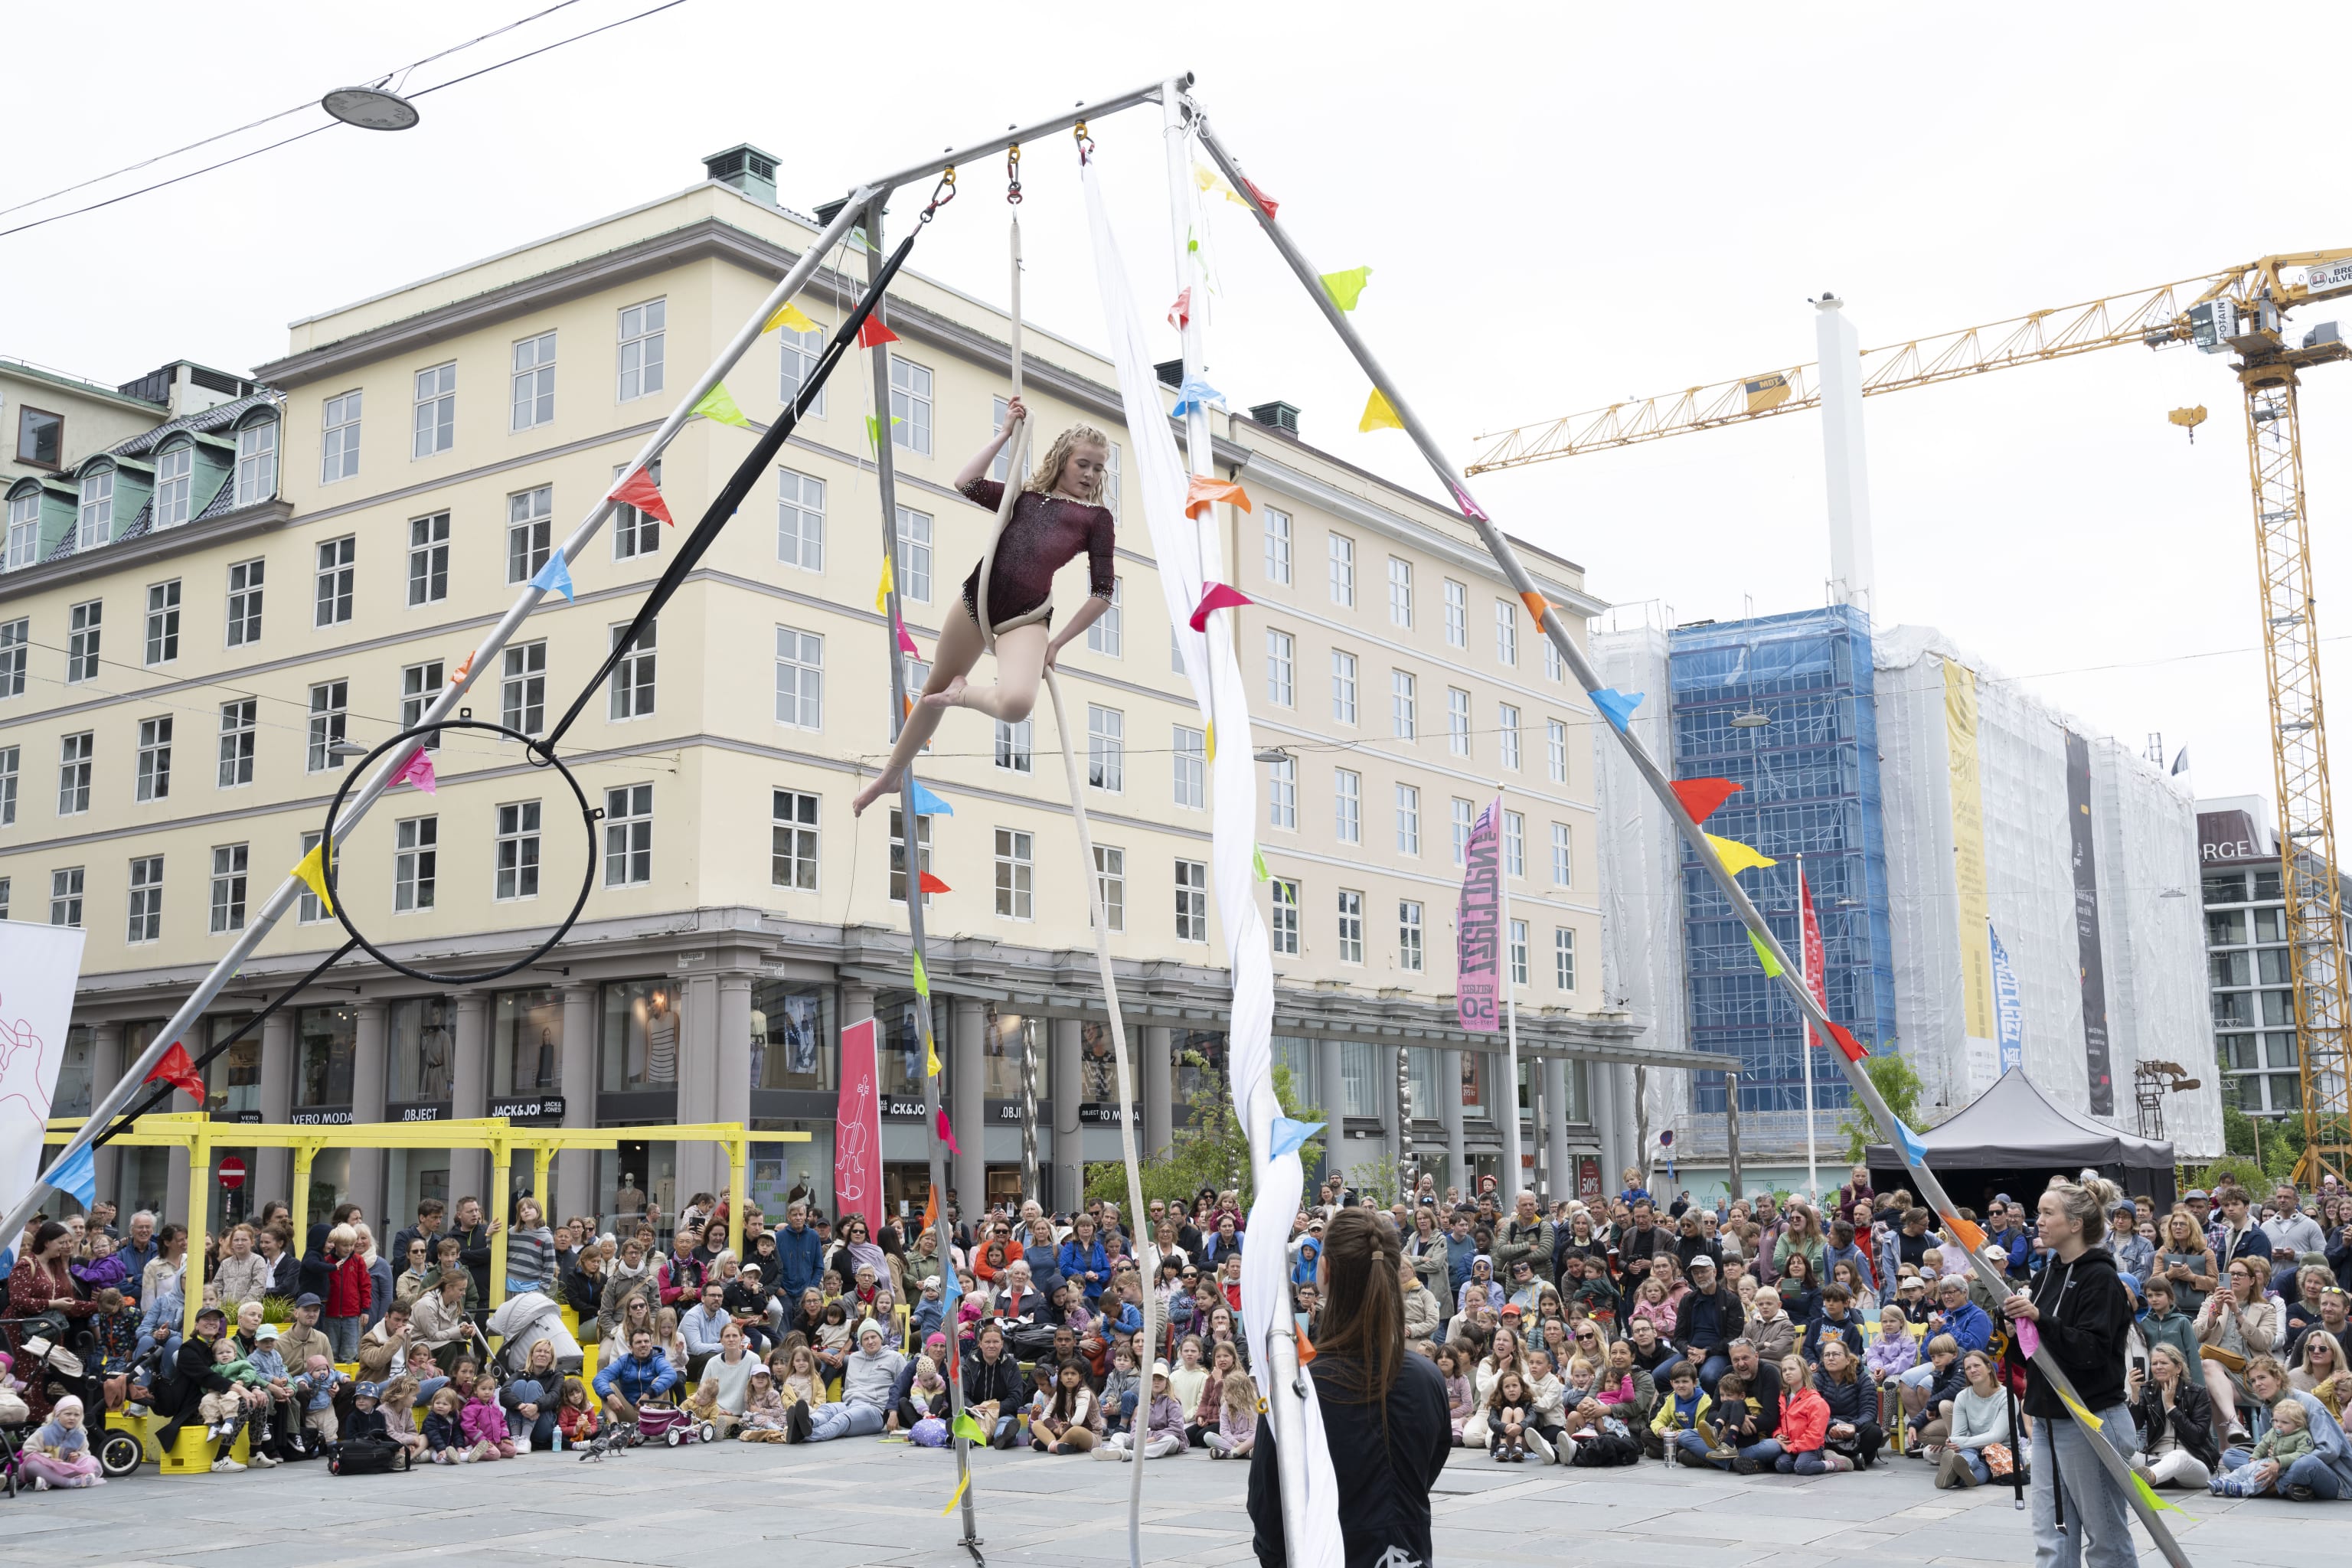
(1804,1433)
(351,1291)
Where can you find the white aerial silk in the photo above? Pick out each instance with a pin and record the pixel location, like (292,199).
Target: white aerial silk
(1188,559)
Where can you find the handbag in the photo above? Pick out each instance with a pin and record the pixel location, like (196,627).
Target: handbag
(1998,1458)
(2229,1359)
(366,1456)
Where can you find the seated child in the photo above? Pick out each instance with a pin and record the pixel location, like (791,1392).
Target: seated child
(1506,1418)
(367,1415)
(445,1433)
(397,1403)
(59,1455)
(1739,1421)
(575,1413)
(105,1268)
(2288,1439)
(1804,1436)
(484,1422)
(1236,1430)
(1684,1422)
(316,1389)
(1460,1401)
(1121,1389)
(225,1413)
(763,1409)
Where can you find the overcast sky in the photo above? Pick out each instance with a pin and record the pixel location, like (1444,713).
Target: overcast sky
(1563,206)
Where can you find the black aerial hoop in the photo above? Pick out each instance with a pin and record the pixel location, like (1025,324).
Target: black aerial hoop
(541,754)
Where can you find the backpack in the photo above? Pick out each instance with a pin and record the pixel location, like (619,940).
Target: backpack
(366,1456)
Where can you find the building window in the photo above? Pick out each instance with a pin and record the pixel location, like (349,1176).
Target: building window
(84,634)
(1515,843)
(533,387)
(419,685)
(800,678)
(238,723)
(5,888)
(307,910)
(1403,703)
(911,406)
(1400,592)
(632,690)
(899,854)
(155,758)
(530,522)
(629,836)
(1106,748)
(16,639)
(1347,805)
(1556,748)
(1284,926)
(636,531)
(522,688)
(800,519)
(1563,857)
(1457,720)
(428,559)
(1107,636)
(244,602)
(1408,819)
(1278,546)
(1000,414)
(23,530)
(40,440)
(1555,667)
(330,701)
(229,888)
(175,488)
(1458,615)
(1506,734)
(1507,631)
(1409,927)
(1343,686)
(1015,746)
(518,851)
(1518,953)
(256,462)
(146,921)
(641,348)
(1192,781)
(1015,876)
(793,842)
(74,763)
(10,757)
(801,353)
(65,897)
(1563,957)
(1110,880)
(914,555)
(1358,1081)
(416,863)
(163,622)
(96,515)
(336,576)
(1191,900)
(1351,926)
(1343,571)
(338,439)
(1281,650)
(436,424)
(1462,819)
(1281,792)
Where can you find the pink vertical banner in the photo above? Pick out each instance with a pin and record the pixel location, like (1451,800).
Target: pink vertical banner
(857,1129)
(1478,928)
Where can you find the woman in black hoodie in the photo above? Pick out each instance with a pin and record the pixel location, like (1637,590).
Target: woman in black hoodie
(2083,1313)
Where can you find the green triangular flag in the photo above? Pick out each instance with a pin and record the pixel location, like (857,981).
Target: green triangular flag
(968,1428)
(718,404)
(2147,1495)
(1764,956)
(1347,288)
(1257,861)
(922,979)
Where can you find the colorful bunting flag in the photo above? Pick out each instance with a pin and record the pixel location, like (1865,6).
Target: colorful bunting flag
(1206,492)
(931,1057)
(1194,393)
(464,669)
(789,315)
(2147,1494)
(882,589)
(1537,605)
(1289,1134)
(716,403)
(1213,740)
(1617,707)
(967,1426)
(946,1134)
(418,771)
(1842,1037)
(176,1068)
(1914,1151)
(1772,970)
(76,1176)
(922,977)
(931,884)
(1345,288)
(1469,507)
(2029,1336)
(929,805)
(1180,314)
(1965,1232)
(1217,596)
(1257,861)
(555,577)
(314,873)
(956,1496)
(1379,415)
(906,642)
(1264,200)
(1701,796)
(640,492)
(874,334)
(2082,1411)
(1737,856)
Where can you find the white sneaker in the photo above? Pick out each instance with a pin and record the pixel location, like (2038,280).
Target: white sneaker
(227,1467)
(264,1462)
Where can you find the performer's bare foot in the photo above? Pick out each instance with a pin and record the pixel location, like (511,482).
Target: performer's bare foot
(950,697)
(887,782)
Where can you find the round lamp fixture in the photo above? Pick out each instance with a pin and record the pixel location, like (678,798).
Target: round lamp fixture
(370,108)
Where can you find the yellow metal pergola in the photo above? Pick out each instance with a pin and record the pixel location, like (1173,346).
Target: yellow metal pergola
(500,1139)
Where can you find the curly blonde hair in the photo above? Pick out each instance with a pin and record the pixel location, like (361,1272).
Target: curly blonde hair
(1049,467)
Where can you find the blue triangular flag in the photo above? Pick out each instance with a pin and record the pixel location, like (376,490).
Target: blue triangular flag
(1288,1135)
(929,805)
(1195,391)
(9,1261)
(1910,1142)
(76,1176)
(555,577)
(951,1295)
(1617,705)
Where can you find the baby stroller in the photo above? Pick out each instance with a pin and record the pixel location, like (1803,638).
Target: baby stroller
(672,1425)
(65,1361)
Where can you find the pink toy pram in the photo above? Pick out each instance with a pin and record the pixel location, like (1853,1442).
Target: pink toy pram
(669,1425)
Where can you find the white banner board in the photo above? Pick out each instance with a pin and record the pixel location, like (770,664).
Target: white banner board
(38,967)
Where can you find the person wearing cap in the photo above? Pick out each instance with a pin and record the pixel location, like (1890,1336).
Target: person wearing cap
(303,1339)
(1527,1234)
(2005,1226)
(2134,1255)
(1706,1322)
(367,1418)
(1161,1428)
(179,1396)
(868,1376)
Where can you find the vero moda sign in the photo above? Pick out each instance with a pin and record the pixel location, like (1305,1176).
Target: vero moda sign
(1477,926)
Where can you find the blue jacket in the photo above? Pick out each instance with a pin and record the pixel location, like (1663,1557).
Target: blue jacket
(136,1258)
(1076,1261)
(2018,1245)
(1971,1327)
(1459,1254)
(1127,1320)
(637,1381)
(1302,1272)
(800,1257)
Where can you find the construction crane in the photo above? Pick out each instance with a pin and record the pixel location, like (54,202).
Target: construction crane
(2240,311)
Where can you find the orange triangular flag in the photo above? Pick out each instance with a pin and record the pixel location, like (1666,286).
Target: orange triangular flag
(931,884)
(1701,796)
(1206,492)
(1536,604)
(874,334)
(1964,1232)
(1305,1348)
(931,1211)
(464,671)
(1847,1042)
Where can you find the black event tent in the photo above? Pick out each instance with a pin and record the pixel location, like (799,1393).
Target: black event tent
(2013,1140)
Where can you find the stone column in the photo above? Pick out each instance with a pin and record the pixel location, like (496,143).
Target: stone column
(469,1092)
(1155,1064)
(1601,1077)
(966,1098)
(732,1091)
(273,1172)
(1069,1153)
(369,1061)
(105,1068)
(699,1165)
(1392,1114)
(1449,1112)
(1561,1177)
(857,1005)
(1334,1097)
(575,1169)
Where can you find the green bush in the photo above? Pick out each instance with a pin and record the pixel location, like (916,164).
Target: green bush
(1898,1084)
(1212,1152)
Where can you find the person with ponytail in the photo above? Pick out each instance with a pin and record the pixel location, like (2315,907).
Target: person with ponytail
(2083,1311)
(1386,1416)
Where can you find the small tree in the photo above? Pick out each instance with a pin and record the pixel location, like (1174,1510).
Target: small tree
(1898,1084)
(1207,1152)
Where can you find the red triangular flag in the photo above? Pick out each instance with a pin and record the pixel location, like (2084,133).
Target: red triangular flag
(946,1134)
(874,334)
(176,1069)
(1180,312)
(1701,796)
(1219,596)
(1847,1042)
(931,884)
(1264,200)
(639,491)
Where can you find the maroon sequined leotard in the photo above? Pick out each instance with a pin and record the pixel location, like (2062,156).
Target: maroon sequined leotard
(1044,533)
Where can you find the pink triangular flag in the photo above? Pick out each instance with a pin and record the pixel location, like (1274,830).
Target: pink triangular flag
(2028,1337)
(417,770)
(639,491)
(1469,507)
(1219,596)
(906,643)
(1180,314)
(946,1134)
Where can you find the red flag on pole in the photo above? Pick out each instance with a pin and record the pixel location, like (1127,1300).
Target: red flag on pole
(874,334)
(640,492)
(176,1069)
(1815,962)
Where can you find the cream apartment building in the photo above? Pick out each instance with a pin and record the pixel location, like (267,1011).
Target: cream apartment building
(274,584)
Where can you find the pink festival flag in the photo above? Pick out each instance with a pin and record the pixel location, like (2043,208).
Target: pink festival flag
(857,1128)
(418,771)
(1477,987)
(1814,956)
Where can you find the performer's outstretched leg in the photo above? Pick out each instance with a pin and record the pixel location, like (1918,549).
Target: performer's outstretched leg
(958,649)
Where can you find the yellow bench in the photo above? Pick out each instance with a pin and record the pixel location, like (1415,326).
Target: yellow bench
(191,1453)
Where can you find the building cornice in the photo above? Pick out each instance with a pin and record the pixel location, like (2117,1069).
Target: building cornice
(80,566)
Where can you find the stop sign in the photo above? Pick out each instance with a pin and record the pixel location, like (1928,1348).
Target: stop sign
(232,1172)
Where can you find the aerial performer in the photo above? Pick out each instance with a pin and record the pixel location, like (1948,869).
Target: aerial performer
(1057,514)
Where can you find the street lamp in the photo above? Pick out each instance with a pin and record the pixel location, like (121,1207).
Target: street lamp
(370,108)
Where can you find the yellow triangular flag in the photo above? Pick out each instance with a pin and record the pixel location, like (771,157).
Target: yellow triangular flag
(2084,1416)
(956,1496)
(1213,740)
(1378,415)
(313,872)
(882,589)
(931,1066)
(1347,288)
(1737,856)
(789,315)
(718,404)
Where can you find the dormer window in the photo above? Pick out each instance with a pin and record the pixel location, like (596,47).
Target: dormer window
(97,509)
(174,481)
(256,462)
(24,529)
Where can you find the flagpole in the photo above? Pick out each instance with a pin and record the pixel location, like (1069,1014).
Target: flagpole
(1805,1035)
(1510,1011)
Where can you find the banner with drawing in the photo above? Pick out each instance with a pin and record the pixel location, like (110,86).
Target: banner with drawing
(38,967)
